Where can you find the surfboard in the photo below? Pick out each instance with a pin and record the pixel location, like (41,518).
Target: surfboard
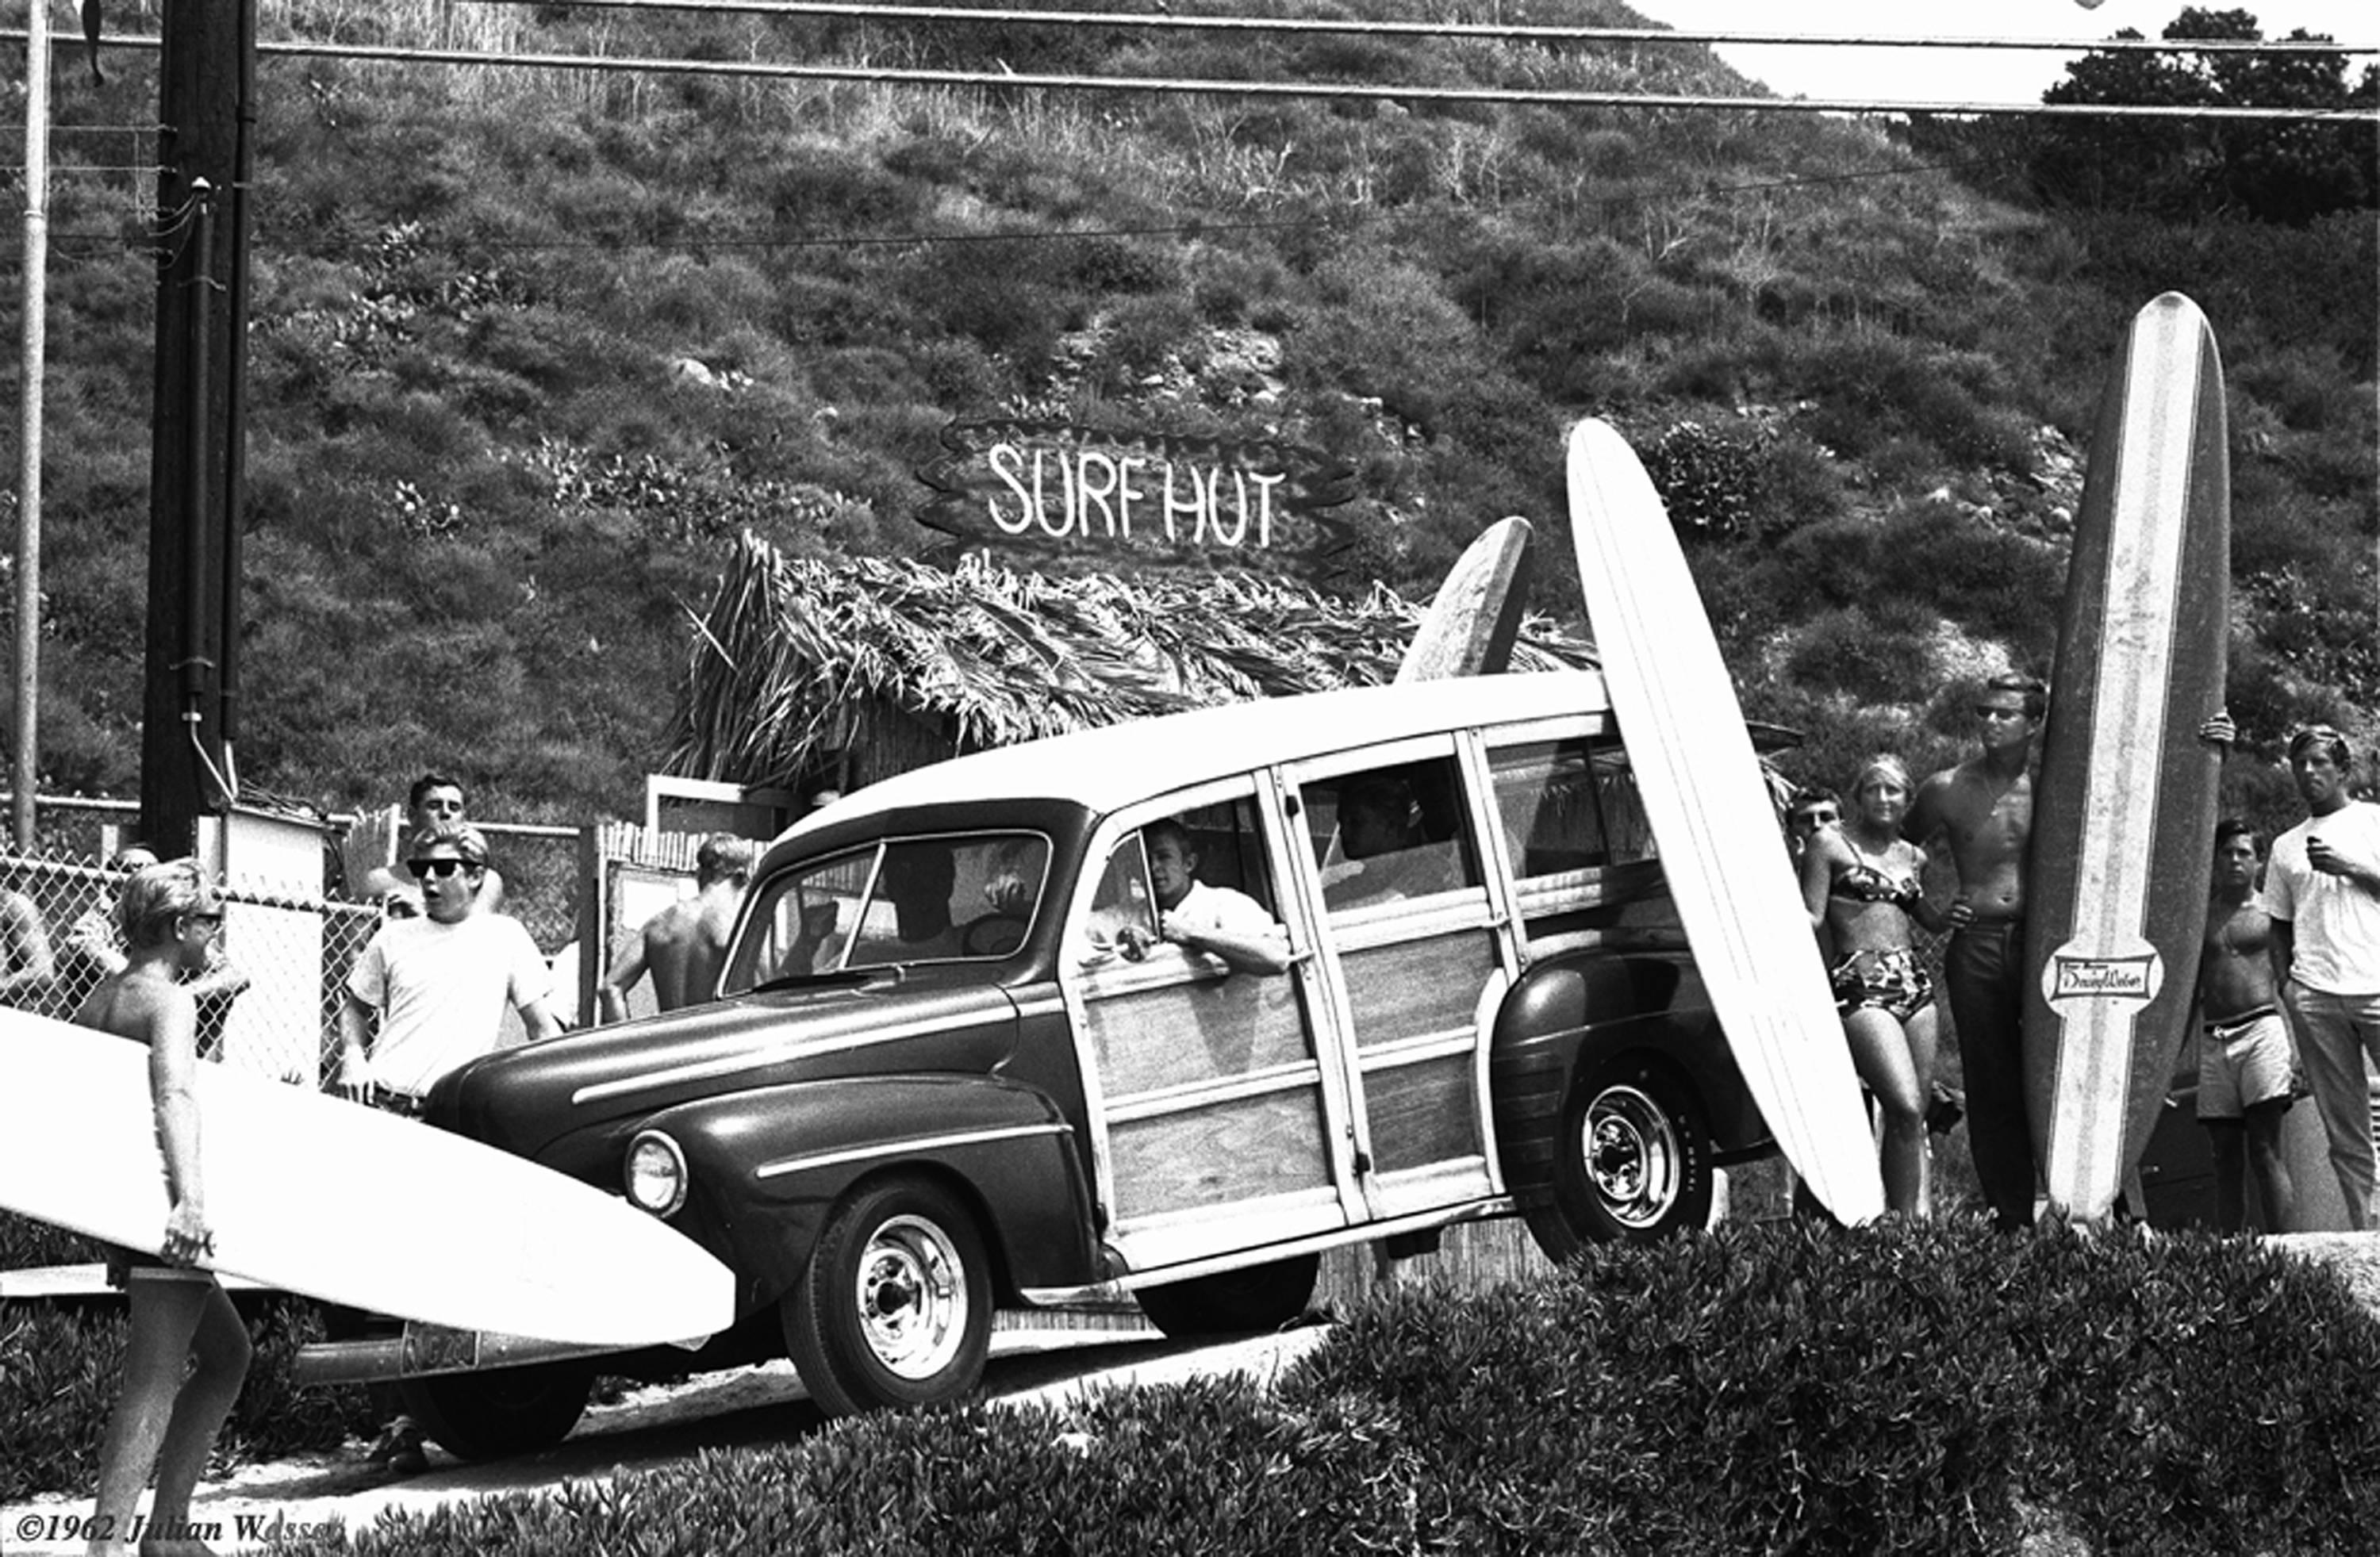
(312,1194)
(1475,617)
(1720,848)
(2124,810)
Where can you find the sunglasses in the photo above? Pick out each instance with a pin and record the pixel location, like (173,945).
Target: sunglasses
(197,918)
(424,869)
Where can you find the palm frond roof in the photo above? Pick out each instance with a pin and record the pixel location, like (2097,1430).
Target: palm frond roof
(799,656)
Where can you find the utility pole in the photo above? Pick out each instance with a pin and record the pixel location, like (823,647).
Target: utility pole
(24,767)
(206,75)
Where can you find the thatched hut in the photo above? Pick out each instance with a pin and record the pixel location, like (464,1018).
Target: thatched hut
(809,674)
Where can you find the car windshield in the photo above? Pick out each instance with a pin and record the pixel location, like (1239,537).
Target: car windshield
(938,898)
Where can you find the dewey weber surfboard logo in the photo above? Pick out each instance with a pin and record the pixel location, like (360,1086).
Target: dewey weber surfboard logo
(2074,975)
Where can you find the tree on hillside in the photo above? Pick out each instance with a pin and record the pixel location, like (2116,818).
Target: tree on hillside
(2265,170)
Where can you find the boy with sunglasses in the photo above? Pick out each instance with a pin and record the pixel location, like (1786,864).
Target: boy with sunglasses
(436,987)
(427,995)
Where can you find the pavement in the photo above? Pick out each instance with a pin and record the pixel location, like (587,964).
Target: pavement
(257,1504)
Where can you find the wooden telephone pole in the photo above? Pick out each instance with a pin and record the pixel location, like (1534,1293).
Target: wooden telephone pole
(207,80)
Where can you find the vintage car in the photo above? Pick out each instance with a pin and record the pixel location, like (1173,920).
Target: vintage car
(952,1067)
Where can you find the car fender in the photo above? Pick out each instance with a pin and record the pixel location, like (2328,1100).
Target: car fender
(765,1167)
(1585,1009)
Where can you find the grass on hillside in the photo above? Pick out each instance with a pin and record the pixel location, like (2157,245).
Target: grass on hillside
(485,499)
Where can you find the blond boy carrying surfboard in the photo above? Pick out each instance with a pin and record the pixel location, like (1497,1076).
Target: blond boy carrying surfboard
(162,1422)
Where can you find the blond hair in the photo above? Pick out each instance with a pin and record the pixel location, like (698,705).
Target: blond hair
(158,895)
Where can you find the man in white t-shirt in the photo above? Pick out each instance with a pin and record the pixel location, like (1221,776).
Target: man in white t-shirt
(2322,888)
(1215,920)
(436,987)
(428,993)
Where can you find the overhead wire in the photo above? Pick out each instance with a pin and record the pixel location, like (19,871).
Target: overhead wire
(1319,91)
(855,9)
(862,10)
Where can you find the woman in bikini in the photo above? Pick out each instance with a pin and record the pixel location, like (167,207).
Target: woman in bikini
(163,1420)
(1861,884)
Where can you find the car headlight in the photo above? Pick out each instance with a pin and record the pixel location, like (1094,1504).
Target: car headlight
(656,1174)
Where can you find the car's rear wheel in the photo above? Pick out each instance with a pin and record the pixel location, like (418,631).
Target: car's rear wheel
(507,1411)
(1234,1302)
(1632,1161)
(895,1306)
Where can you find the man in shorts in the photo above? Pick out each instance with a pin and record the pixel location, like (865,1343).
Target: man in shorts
(2244,1060)
(2323,891)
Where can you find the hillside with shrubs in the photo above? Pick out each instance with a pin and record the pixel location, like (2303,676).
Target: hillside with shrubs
(531,346)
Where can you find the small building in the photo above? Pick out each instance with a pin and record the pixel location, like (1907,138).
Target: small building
(810,674)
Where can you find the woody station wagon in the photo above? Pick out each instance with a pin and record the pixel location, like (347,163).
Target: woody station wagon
(952,1067)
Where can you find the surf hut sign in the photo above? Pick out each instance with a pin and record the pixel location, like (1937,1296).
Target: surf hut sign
(1058,483)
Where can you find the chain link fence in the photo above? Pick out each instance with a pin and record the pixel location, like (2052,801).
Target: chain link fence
(273,1008)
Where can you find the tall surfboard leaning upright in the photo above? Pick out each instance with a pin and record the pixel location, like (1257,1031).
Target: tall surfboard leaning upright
(1720,848)
(2124,812)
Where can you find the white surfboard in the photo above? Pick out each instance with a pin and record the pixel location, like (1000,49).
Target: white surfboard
(1720,848)
(316,1195)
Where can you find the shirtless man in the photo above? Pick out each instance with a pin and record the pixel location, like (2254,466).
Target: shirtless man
(2243,1058)
(1984,808)
(1813,811)
(685,945)
(164,1420)
(28,968)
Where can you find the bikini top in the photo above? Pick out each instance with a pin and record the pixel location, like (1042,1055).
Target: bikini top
(1865,883)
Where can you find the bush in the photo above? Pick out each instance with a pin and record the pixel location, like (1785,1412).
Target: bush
(1877,653)
(1708,480)
(1929,1387)
(62,1364)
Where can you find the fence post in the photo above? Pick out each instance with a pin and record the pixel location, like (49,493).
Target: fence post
(594,947)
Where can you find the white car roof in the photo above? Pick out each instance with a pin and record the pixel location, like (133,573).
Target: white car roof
(1117,765)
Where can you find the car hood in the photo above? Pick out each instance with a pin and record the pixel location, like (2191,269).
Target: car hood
(522,1099)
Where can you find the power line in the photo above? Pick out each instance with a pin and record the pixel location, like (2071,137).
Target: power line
(1546,97)
(1513,31)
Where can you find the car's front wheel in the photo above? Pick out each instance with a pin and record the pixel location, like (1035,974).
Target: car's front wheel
(1632,1161)
(507,1411)
(895,1306)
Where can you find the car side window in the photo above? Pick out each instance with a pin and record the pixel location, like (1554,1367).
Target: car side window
(1123,900)
(1385,834)
(1569,806)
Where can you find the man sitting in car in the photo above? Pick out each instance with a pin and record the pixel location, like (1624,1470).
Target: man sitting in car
(1191,914)
(1386,855)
